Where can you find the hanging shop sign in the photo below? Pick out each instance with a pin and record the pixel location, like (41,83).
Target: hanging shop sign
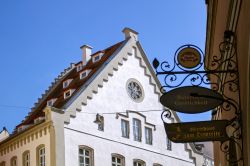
(197,131)
(191,99)
(189,57)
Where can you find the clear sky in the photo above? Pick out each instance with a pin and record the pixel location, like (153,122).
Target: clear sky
(39,39)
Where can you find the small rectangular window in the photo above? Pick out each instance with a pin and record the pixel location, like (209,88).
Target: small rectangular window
(85,157)
(125,128)
(84,74)
(67,94)
(137,129)
(66,83)
(96,58)
(148,135)
(51,102)
(79,67)
(118,160)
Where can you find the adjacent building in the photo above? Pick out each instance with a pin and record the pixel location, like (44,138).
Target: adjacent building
(103,110)
(232,17)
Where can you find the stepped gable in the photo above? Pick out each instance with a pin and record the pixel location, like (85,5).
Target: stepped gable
(56,89)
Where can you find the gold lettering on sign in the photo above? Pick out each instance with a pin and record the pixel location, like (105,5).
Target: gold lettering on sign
(189,57)
(214,134)
(189,100)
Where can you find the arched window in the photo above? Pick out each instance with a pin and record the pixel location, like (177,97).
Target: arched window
(26,158)
(40,155)
(155,164)
(138,162)
(2,163)
(13,161)
(117,160)
(86,156)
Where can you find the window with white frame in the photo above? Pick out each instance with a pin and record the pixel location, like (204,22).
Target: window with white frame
(169,144)
(118,160)
(138,162)
(97,57)
(26,158)
(13,161)
(137,129)
(51,102)
(66,83)
(41,156)
(125,128)
(148,135)
(68,93)
(79,67)
(86,157)
(84,74)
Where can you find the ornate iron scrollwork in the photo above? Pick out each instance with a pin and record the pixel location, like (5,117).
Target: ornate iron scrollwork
(220,73)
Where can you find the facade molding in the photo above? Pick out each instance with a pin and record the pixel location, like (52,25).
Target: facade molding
(135,112)
(137,147)
(148,70)
(18,140)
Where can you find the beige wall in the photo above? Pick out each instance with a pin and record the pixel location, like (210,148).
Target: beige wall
(28,140)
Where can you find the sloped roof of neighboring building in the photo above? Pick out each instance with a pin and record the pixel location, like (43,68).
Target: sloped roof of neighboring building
(56,90)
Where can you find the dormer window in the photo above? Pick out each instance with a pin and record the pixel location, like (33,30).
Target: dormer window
(97,57)
(84,74)
(51,102)
(79,67)
(23,127)
(39,119)
(66,83)
(68,93)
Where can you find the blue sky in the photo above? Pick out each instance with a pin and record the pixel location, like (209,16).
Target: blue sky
(39,39)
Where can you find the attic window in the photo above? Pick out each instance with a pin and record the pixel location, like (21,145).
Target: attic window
(97,57)
(23,127)
(66,83)
(39,119)
(84,74)
(51,102)
(79,67)
(68,93)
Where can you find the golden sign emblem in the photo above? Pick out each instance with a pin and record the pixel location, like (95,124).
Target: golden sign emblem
(189,57)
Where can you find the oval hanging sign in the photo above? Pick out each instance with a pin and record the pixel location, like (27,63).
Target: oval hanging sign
(191,99)
(189,57)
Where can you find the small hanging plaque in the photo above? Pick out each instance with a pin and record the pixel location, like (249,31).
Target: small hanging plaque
(189,57)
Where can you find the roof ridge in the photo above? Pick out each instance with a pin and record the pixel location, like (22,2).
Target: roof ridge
(54,84)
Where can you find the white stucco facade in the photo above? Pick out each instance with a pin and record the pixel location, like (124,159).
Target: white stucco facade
(112,97)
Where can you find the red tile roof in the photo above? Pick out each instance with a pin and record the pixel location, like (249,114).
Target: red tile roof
(57,90)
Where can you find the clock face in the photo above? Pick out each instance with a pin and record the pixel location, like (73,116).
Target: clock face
(135,90)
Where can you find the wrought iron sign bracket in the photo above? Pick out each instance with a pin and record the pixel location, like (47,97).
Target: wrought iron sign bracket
(190,72)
